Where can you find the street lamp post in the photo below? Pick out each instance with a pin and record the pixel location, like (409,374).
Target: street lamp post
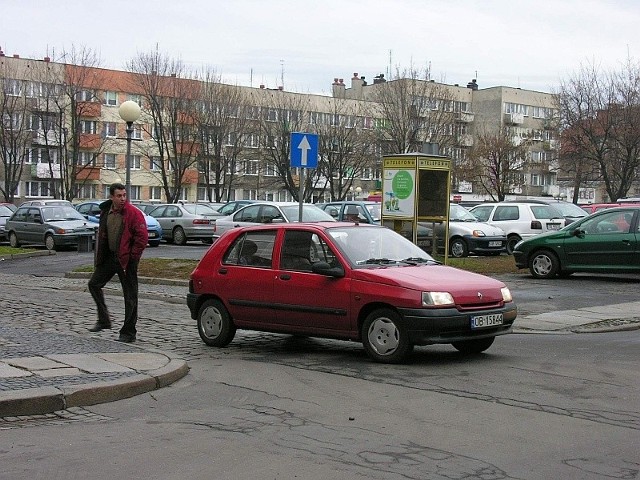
(130,112)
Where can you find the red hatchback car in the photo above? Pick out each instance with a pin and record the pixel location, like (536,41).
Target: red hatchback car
(347,281)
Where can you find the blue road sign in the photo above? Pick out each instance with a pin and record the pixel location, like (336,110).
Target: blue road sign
(304,150)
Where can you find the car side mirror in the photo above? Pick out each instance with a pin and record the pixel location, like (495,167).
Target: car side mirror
(37,218)
(578,232)
(323,268)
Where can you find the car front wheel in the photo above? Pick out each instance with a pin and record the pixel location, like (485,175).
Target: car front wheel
(511,243)
(13,240)
(215,326)
(459,248)
(544,264)
(384,338)
(49,242)
(473,346)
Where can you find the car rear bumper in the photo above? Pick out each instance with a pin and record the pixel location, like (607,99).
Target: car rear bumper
(449,325)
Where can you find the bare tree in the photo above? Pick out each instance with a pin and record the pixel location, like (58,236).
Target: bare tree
(15,134)
(600,115)
(171,100)
(496,162)
(345,147)
(413,110)
(279,115)
(222,125)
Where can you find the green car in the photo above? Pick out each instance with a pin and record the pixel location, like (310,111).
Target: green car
(607,241)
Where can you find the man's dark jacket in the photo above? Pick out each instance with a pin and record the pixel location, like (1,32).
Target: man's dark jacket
(133,237)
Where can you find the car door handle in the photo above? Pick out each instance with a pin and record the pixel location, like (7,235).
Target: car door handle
(285,276)
(236,225)
(222,271)
(626,242)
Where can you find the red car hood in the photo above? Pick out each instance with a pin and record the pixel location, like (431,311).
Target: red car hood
(464,286)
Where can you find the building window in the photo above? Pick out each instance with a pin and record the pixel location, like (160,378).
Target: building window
(110,129)
(134,192)
(155,163)
(110,98)
(251,167)
(270,170)
(109,160)
(88,126)
(86,159)
(135,162)
(13,87)
(12,121)
(38,189)
(155,193)
(85,96)
(137,132)
(135,98)
(87,190)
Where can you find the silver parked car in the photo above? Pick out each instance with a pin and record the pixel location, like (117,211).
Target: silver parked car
(468,235)
(5,214)
(53,226)
(181,222)
(270,212)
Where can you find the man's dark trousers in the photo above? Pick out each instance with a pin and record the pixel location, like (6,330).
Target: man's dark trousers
(129,280)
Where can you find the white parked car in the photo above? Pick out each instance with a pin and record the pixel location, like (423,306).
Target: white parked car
(519,220)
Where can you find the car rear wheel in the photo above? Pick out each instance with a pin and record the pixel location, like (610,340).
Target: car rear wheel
(459,248)
(13,240)
(215,326)
(384,338)
(544,264)
(511,243)
(473,346)
(154,244)
(49,242)
(179,238)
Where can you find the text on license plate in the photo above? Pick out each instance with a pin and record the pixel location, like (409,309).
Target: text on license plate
(152,234)
(484,321)
(495,244)
(553,226)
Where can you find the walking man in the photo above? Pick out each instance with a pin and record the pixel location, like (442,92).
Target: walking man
(122,237)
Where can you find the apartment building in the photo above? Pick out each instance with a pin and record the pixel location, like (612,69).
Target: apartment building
(73,141)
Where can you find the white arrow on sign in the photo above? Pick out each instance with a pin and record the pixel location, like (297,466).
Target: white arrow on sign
(304,149)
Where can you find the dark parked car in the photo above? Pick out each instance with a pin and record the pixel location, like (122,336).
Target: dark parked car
(53,226)
(5,214)
(607,241)
(91,211)
(343,280)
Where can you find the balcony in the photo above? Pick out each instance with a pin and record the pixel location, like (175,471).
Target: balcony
(49,137)
(45,170)
(190,177)
(514,118)
(465,140)
(89,109)
(464,117)
(88,173)
(90,140)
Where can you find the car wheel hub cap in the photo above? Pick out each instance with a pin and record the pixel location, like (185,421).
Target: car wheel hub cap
(211,322)
(383,336)
(542,265)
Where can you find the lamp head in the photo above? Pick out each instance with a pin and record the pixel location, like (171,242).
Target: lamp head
(129,111)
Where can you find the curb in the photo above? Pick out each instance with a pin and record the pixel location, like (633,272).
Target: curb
(17,256)
(147,280)
(42,400)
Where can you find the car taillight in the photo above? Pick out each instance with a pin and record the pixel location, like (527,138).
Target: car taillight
(536,225)
(200,221)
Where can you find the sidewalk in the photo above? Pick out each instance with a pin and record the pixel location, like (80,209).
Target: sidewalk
(44,371)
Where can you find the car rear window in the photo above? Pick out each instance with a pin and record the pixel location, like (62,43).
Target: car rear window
(545,212)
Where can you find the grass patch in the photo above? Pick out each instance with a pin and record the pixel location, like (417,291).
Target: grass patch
(488,265)
(13,251)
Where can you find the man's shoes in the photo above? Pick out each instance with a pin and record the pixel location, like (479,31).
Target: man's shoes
(126,338)
(99,326)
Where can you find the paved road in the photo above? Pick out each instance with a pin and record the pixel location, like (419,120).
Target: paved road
(276,406)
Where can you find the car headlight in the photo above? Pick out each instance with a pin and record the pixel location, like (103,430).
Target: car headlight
(430,299)
(506,294)
(478,233)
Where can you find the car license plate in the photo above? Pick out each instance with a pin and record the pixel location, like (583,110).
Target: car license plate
(424,243)
(553,226)
(152,234)
(495,244)
(485,321)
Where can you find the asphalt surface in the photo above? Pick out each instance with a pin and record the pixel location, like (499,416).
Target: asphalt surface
(43,370)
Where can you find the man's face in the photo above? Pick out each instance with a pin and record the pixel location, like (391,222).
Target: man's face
(119,198)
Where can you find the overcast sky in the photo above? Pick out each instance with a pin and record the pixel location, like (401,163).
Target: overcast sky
(305,44)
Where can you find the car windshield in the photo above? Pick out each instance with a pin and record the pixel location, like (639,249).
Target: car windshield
(545,212)
(370,245)
(569,209)
(5,211)
(310,213)
(59,214)
(458,213)
(375,211)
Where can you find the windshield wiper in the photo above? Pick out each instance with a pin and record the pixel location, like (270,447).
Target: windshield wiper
(377,261)
(416,260)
